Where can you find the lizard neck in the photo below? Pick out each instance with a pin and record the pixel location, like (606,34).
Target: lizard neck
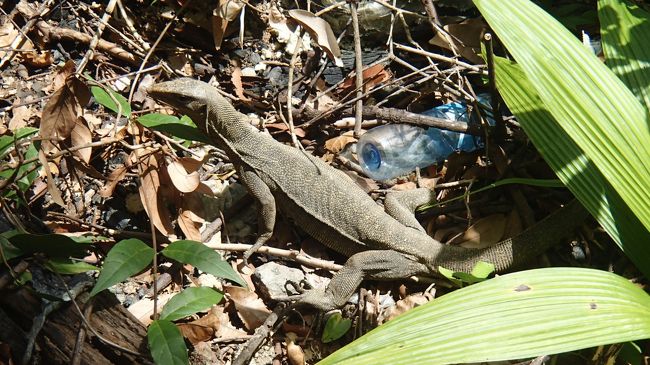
(226,124)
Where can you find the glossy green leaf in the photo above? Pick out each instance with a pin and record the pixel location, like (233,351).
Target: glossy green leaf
(125,259)
(166,343)
(203,258)
(335,327)
(514,316)
(182,128)
(52,245)
(600,114)
(68,267)
(571,165)
(625,32)
(190,301)
(103,98)
(7,250)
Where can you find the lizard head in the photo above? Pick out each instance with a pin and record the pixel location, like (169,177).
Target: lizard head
(188,96)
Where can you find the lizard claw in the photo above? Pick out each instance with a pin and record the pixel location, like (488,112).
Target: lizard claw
(314,298)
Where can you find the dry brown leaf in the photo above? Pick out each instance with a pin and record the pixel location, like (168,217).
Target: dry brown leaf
(115,177)
(195,333)
(183,180)
(59,116)
(63,73)
(406,304)
(81,136)
(235,77)
(226,12)
(484,232)
(513,225)
(8,34)
(191,164)
(38,59)
(283,127)
(203,328)
(321,31)
(189,227)
(152,200)
(336,144)
(373,75)
(250,308)
(295,355)
(466,37)
(51,186)
(21,114)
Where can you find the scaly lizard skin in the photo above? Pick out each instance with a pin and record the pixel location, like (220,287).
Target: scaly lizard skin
(382,244)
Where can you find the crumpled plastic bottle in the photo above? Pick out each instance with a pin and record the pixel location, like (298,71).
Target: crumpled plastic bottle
(393,150)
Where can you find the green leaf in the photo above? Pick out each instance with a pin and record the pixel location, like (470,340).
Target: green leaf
(482,270)
(514,316)
(190,301)
(8,251)
(479,273)
(600,114)
(26,181)
(103,98)
(449,274)
(166,344)
(571,165)
(52,245)
(7,141)
(182,128)
(126,258)
(335,327)
(68,267)
(203,258)
(625,31)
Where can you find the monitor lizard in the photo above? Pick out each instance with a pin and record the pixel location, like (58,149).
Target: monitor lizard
(381,243)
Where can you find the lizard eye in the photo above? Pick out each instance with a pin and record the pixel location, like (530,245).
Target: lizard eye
(184,99)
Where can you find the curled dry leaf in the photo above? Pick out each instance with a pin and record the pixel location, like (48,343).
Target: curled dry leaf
(321,31)
(81,136)
(185,181)
(20,115)
(226,12)
(63,73)
(483,233)
(337,144)
(51,186)
(190,216)
(235,77)
(115,177)
(38,59)
(295,355)
(152,200)
(250,308)
(406,304)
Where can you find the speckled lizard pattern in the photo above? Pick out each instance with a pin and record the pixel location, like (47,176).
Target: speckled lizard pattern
(381,243)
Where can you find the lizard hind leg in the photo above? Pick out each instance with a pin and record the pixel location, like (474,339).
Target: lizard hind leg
(374,265)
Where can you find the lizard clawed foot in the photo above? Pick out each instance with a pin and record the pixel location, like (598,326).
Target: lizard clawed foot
(316,298)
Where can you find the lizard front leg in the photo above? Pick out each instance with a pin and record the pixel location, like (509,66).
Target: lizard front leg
(374,265)
(267,209)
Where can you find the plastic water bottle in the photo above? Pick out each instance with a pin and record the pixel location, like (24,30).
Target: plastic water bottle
(392,150)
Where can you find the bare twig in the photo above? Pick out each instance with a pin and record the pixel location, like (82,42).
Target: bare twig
(358,62)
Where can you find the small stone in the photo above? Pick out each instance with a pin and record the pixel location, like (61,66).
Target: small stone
(272,278)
